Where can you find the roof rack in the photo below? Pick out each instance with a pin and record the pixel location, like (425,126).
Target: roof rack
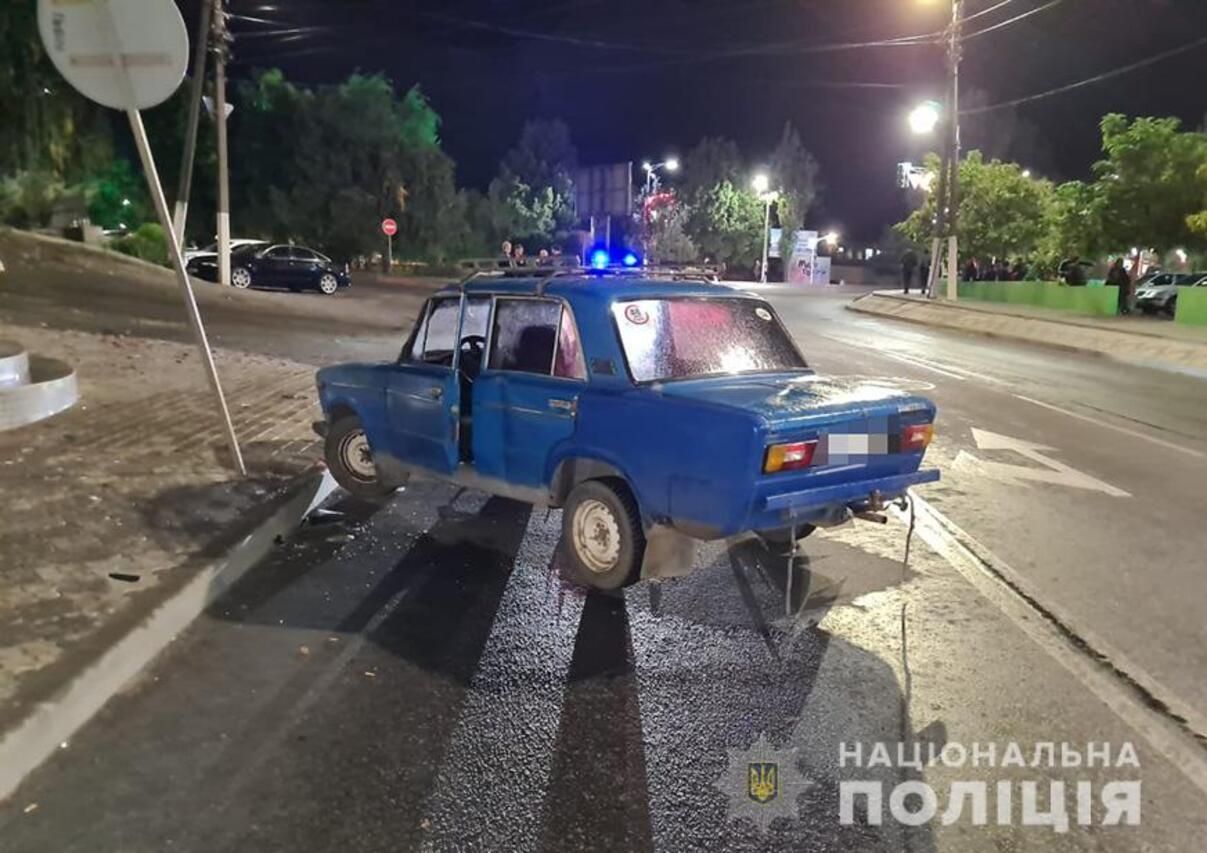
(545,272)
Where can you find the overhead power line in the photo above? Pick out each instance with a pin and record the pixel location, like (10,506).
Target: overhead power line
(1013,20)
(1088,81)
(988,11)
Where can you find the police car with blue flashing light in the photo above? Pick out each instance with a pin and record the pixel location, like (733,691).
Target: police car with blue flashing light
(654,410)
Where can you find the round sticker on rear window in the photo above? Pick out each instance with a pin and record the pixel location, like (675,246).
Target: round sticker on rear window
(762,313)
(636,314)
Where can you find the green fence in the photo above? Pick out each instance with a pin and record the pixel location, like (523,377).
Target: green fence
(1192,306)
(1096,301)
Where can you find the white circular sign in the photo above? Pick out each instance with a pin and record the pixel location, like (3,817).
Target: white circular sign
(119,53)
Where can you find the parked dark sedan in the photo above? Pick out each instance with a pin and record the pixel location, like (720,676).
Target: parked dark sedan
(289,267)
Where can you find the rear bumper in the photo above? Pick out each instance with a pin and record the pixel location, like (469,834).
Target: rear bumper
(792,505)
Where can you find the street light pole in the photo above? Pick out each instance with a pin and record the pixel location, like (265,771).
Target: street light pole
(766,237)
(953,151)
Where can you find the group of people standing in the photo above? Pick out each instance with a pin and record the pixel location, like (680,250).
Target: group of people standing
(512,255)
(1072,273)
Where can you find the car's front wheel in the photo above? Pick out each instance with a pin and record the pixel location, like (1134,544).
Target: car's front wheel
(350,459)
(241,277)
(328,284)
(602,535)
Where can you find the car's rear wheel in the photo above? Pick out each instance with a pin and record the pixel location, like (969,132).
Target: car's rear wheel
(350,459)
(328,284)
(781,540)
(241,277)
(602,535)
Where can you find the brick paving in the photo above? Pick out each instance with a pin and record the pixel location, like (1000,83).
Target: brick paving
(107,507)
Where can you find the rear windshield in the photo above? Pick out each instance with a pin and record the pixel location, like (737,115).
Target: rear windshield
(686,337)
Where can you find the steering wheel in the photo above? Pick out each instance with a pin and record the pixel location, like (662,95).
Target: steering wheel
(473,345)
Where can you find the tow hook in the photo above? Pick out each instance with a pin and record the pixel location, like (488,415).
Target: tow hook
(872,509)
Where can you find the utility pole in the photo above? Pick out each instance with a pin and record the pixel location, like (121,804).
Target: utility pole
(221,54)
(953,151)
(181,213)
(939,232)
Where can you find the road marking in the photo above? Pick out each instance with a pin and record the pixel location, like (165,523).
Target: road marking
(1198,454)
(1054,473)
(1122,685)
(925,365)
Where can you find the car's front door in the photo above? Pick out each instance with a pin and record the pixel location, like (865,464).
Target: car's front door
(275,267)
(422,393)
(526,398)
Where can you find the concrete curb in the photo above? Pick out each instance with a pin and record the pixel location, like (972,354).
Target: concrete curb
(1124,345)
(24,747)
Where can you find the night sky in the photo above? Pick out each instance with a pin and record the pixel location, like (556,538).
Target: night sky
(636,79)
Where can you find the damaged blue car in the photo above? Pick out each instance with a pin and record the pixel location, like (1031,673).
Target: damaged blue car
(653,411)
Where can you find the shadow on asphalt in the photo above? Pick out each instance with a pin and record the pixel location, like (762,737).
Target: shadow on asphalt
(663,683)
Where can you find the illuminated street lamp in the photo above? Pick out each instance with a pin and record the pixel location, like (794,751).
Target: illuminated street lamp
(924,118)
(671,164)
(762,186)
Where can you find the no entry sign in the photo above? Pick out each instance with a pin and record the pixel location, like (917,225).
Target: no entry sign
(389,227)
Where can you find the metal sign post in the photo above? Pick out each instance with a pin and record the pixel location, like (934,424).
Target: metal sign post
(389,227)
(131,55)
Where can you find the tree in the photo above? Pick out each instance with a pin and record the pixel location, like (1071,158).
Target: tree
(713,161)
(47,125)
(1001,212)
(533,196)
(1150,183)
(1197,222)
(1072,225)
(726,224)
(118,197)
(664,229)
(794,173)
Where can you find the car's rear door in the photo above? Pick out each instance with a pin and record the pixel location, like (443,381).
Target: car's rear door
(526,398)
(422,394)
(303,267)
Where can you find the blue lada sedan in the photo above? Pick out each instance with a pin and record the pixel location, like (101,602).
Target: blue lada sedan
(654,412)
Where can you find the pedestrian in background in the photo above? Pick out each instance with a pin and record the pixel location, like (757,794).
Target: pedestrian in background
(505,254)
(909,263)
(517,256)
(972,270)
(924,273)
(1118,277)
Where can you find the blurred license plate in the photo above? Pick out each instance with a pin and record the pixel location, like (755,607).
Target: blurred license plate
(856,444)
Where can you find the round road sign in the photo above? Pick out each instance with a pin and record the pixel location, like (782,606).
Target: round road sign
(389,227)
(119,53)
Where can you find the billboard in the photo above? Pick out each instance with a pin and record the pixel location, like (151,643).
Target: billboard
(604,190)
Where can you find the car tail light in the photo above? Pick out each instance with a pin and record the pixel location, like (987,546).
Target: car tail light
(916,437)
(789,457)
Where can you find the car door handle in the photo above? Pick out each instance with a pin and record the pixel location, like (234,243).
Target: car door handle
(564,405)
(435,393)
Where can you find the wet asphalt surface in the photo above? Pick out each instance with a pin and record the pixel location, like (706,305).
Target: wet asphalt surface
(419,677)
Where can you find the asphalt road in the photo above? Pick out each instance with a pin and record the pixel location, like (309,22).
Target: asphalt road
(418,677)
